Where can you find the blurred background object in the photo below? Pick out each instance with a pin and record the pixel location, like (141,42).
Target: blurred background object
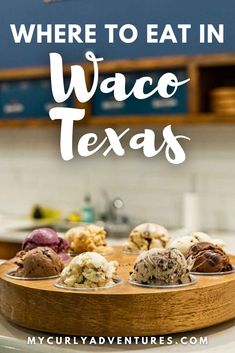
(223,100)
(51,1)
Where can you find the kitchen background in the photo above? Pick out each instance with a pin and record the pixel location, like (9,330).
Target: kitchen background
(31,169)
(33,172)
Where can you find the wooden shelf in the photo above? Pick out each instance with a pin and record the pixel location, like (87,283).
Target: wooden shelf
(190,119)
(13,123)
(26,73)
(199,88)
(202,70)
(196,119)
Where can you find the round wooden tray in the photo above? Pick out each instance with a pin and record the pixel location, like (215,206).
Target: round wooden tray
(124,310)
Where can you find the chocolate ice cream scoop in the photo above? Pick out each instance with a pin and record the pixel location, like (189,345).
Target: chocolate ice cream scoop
(208,258)
(46,237)
(39,262)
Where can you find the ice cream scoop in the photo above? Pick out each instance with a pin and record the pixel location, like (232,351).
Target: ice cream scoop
(161,267)
(46,237)
(184,243)
(37,263)
(208,258)
(203,237)
(89,270)
(88,238)
(146,236)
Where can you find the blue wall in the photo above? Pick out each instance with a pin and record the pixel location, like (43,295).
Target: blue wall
(138,12)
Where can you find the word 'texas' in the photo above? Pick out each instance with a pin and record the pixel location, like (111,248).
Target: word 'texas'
(116,85)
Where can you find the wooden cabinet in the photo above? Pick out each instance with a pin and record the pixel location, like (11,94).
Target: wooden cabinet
(192,103)
(9,249)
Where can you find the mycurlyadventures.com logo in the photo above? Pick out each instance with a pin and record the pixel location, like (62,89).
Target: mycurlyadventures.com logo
(156,341)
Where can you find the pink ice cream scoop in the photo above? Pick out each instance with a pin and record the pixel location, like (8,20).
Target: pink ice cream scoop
(46,237)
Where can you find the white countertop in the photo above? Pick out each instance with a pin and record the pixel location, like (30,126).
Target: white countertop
(221,338)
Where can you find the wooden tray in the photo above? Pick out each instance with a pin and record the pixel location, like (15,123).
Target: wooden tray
(124,310)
